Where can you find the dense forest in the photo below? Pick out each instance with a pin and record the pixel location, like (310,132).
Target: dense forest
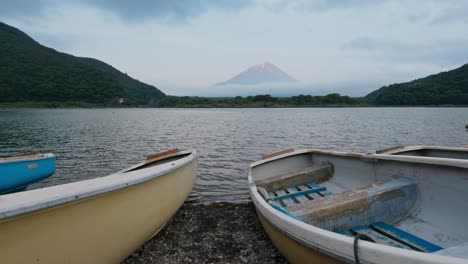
(445,88)
(30,72)
(261,101)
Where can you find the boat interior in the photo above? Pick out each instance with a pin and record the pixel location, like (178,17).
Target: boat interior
(24,156)
(411,205)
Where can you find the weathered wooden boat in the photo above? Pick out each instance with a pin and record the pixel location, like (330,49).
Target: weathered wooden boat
(101,220)
(427,151)
(318,206)
(17,172)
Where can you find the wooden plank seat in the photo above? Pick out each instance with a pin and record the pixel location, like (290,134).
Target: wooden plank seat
(298,194)
(383,233)
(316,173)
(381,201)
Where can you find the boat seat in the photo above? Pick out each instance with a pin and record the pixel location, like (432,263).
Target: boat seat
(386,201)
(383,233)
(316,173)
(298,194)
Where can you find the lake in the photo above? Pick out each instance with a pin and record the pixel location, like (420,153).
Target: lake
(92,143)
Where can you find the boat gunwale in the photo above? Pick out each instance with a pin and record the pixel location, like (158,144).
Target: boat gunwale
(401,150)
(16,204)
(308,234)
(26,158)
(370,156)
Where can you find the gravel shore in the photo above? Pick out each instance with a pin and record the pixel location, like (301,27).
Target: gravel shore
(214,233)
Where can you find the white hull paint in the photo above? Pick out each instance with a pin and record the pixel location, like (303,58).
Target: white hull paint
(340,247)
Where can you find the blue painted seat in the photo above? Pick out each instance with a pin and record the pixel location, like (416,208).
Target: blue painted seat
(298,194)
(383,233)
(405,237)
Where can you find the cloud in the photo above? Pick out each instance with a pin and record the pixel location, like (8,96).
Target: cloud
(451,14)
(436,13)
(448,52)
(21,7)
(350,88)
(317,5)
(167,10)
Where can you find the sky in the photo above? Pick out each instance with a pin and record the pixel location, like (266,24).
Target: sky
(185,47)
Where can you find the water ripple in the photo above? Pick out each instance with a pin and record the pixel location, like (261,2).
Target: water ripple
(91,143)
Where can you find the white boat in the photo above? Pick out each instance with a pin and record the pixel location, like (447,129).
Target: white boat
(101,220)
(316,206)
(427,151)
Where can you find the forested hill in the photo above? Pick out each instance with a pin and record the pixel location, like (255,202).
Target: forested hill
(32,72)
(449,87)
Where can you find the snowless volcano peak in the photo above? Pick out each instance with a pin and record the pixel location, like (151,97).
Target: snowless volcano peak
(265,72)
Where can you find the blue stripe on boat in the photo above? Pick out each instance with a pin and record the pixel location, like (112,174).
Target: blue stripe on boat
(284,211)
(377,237)
(323,193)
(344,232)
(405,237)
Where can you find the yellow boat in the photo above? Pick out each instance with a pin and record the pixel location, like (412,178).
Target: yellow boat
(101,220)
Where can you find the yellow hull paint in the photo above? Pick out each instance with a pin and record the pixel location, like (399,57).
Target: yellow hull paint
(100,229)
(292,250)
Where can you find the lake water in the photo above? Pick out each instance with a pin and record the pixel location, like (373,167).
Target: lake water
(92,143)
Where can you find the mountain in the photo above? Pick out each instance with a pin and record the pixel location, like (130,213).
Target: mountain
(32,72)
(261,73)
(449,87)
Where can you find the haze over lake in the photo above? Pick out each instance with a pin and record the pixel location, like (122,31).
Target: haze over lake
(92,143)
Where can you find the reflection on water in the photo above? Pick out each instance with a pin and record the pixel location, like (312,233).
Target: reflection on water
(91,143)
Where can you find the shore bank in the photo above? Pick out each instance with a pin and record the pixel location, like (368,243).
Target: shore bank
(8,106)
(214,233)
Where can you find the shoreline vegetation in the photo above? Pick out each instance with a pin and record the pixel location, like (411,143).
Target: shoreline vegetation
(257,101)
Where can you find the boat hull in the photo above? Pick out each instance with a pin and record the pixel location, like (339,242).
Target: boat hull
(100,229)
(16,175)
(294,251)
(301,240)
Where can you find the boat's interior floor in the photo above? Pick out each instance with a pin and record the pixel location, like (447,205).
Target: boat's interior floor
(430,232)
(383,233)
(307,199)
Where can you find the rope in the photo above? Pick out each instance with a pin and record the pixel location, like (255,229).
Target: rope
(355,246)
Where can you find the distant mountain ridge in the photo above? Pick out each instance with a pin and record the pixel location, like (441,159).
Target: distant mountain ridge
(32,72)
(449,87)
(265,72)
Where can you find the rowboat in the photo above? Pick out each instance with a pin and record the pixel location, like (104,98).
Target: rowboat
(427,151)
(331,207)
(17,172)
(101,220)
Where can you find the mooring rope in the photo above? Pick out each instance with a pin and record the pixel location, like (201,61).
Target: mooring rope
(355,246)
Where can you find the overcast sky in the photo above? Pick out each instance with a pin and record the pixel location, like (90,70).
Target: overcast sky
(184,47)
